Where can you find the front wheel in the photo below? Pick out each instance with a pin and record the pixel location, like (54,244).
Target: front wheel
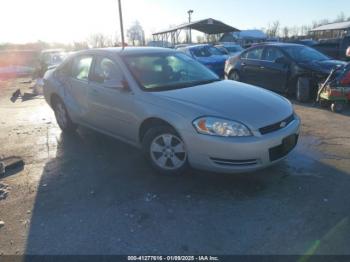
(337,107)
(165,150)
(234,76)
(62,116)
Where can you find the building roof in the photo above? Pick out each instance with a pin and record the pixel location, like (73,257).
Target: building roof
(208,26)
(332,26)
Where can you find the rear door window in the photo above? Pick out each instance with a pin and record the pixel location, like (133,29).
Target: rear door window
(272,53)
(253,54)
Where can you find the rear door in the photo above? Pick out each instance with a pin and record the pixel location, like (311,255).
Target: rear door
(251,66)
(77,91)
(111,104)
(275,69)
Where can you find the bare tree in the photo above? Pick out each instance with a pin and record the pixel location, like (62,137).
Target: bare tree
(136,34)
(273,29)
(80,46)
(200,39)
(340,18)
(99,40)
(285,32)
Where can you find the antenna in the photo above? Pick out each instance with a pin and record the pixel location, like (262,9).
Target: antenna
(121,23)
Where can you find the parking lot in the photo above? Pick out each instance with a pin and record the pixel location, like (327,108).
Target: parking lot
(90,194)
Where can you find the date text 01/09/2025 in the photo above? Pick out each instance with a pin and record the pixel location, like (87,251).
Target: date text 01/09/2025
(173,258)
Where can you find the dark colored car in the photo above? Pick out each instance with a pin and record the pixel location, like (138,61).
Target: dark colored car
(281,67)
(207,55)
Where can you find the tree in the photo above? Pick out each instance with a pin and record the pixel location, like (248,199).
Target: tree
(285,32)
(99,40)
(136,34)
(273,29)
(340,18)
(200,39)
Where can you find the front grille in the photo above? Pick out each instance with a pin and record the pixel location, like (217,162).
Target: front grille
(230,162)
(277,126)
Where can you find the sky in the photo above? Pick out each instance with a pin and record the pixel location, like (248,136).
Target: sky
(68,21)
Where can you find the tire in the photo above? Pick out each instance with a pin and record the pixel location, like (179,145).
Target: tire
(303,89)
(234,75)
(165,150)
(324,103)
(337,107)
(62,116)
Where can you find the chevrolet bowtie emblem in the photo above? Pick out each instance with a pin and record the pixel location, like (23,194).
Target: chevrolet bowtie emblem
(283,124)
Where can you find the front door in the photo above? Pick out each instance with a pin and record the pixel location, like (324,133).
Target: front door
(275,69)
(251,66)
(111,104)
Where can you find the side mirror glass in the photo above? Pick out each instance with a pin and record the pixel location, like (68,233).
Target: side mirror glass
(348,52)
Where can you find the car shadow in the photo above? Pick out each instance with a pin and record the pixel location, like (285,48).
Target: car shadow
(345,112)
(99,196)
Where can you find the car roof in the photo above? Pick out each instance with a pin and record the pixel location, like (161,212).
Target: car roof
(197,46)
(125,51)
(278,44)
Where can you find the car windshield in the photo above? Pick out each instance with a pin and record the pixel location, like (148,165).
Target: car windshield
(165,71)
(304,53)
(206,51)
(233,49)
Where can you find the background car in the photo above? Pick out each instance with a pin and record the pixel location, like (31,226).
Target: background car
(207,55)
(174,108)
(284,68)
(48,58)
(230,49)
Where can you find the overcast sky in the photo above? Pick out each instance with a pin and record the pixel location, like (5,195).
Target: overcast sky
(74,20)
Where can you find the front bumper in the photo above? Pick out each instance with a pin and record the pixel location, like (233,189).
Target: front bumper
(241,154)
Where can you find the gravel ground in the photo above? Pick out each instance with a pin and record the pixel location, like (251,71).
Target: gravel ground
(90,194)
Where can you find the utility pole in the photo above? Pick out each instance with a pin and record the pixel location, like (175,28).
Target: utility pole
(189,12)
(121,23)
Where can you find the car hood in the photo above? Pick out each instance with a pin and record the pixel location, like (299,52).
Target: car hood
(253,106)
(324,66)
(219,59)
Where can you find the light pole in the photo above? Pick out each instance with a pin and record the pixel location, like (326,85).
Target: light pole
(189,12)
(121,23)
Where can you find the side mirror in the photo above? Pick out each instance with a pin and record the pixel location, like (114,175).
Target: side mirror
(121,86)
(348,52)
(97,78)
(282,60)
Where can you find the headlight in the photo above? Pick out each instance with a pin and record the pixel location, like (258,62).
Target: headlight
(220,127)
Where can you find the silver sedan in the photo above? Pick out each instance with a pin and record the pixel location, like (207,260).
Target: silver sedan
(173,108)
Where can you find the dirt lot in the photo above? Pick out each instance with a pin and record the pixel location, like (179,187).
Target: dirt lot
(90,194)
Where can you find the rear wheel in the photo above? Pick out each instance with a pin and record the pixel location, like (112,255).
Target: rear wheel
(165,150)
(324,103)
(234,76)
(303,89)
(337,107)
(62,116)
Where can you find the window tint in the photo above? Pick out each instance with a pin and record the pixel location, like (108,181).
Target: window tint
(271,54)
(107,71)
(255,53)
(81,67)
